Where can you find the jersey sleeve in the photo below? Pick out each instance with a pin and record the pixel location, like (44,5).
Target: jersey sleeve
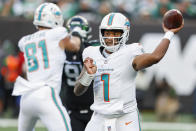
(58,33)
(86,53)
(134,50)
(138,49)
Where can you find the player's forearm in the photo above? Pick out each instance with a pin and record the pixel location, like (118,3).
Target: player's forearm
(79,89)
(74,44)
(71,43)
(160,51)
(82,83)
(146,60)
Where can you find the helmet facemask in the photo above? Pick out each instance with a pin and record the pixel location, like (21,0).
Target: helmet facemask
(117,41)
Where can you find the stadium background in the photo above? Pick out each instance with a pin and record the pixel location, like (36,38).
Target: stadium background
(166,92)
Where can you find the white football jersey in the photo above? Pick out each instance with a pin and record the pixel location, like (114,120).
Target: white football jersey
(114,82)
(43,56)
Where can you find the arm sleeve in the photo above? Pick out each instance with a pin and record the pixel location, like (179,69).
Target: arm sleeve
(85,53)
(138,50)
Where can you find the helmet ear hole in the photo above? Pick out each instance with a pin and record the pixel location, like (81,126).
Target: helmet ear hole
(102,31)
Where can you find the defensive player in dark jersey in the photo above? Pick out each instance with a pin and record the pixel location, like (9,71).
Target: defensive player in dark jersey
(78,106)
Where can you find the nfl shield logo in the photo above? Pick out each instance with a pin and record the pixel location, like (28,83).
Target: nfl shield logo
(109,128)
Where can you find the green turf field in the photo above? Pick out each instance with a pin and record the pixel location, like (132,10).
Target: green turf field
(149,122)
(42,129)
(15,129)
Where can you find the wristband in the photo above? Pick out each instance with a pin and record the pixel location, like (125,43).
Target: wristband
(86,79)
(168,35)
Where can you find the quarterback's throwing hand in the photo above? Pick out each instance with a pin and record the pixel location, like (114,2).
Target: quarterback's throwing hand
(89,65)
(173,30)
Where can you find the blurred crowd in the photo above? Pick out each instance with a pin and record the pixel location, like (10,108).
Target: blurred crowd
(93,10)
(11,66)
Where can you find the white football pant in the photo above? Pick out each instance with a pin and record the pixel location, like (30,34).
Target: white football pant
(127,122)
(43,104)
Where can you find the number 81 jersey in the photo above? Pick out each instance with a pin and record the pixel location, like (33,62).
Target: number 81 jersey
(44,58)
(114,82)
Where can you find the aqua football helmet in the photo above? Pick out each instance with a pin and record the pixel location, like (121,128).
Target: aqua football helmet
(48,15)
(114,21)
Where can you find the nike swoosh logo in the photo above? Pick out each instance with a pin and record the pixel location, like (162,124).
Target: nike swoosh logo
(127,123)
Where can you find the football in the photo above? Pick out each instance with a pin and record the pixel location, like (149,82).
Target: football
(172,19)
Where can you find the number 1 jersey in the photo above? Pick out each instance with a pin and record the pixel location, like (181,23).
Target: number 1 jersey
(114,82)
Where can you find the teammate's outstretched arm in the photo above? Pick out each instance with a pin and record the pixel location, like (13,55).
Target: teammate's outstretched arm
(148,59)
(72,42)
(86,77)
